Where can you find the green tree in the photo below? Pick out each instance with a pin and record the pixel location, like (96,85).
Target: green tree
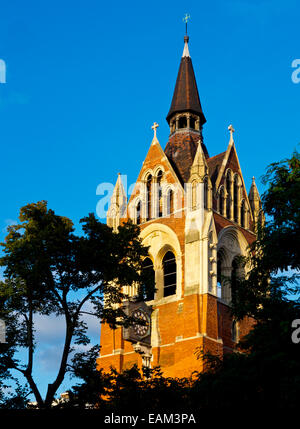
(274,257)
(51,270)
(266,370)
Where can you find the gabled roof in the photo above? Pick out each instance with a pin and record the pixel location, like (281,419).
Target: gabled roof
(186,96)
(223,160)
(214,163)
(155,157)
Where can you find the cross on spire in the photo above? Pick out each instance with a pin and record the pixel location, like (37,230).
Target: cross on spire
(232,130)
(154,126)
(186,18)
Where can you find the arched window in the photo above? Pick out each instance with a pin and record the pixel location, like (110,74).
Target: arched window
(182,123)
(221,201)
(170,274)
(138,213)
(243,214)
(170,202)
(192,123)
(205,193)
(149,196)
(228,200)
(159,178)
(149,279)
(235,198)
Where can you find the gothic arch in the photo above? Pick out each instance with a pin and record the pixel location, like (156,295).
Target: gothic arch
(161,239)
(146,174)
(157,169)
(231,245)
(169,199)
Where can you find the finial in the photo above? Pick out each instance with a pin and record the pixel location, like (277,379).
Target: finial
(253,179)
(232,130)
(154,126)
(186,19)
(186,37)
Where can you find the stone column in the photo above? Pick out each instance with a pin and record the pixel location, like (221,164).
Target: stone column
(159,281)
(188,121)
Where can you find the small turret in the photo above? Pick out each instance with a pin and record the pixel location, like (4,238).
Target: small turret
(118,204)
(255,203)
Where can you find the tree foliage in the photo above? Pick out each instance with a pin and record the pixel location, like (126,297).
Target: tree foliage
(274,256)
(51,270)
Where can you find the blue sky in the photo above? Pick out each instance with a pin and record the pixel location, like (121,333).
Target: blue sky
(86,80)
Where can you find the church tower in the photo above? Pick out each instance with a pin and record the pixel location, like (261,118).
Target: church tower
(195,215)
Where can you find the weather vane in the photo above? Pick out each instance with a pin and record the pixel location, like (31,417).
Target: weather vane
(186,19)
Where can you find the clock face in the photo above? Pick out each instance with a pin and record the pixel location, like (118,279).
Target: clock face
(141,330)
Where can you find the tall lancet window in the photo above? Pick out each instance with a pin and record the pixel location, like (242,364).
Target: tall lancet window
(235,198)
(149,279)
(228,200)
(159,191)
(149,196)
(170,202)
(221,201)
(243,214)
(138,213)
(170,274)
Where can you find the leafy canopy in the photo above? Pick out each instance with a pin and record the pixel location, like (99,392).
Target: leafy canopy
(49,269)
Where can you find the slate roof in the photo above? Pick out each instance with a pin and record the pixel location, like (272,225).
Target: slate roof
(186,96)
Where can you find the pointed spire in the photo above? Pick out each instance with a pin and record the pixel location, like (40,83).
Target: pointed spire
(199,165)
(200,158)
(118,204)
(186,97)
(253,193)
(119,194)
(255,202)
